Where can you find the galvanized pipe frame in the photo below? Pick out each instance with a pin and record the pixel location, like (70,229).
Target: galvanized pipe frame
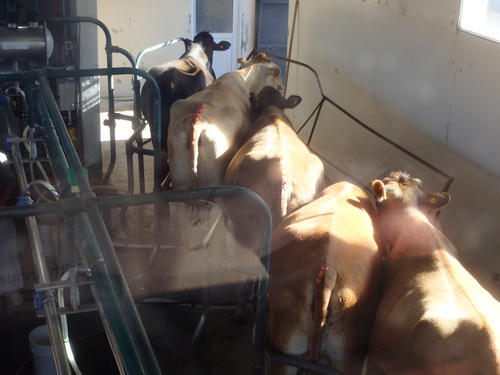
(87,206)
(74,206)
(131,345)
(31,76)
(48,301)
(109,64)
(324,98)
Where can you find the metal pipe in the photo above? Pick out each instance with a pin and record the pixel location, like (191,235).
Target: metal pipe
(56,154)
(302,364)
(49,303)
(72,205)
(158,160)
(109,64)
(365,126)
(154,48)
(11,14)
(33,13)
(112,294)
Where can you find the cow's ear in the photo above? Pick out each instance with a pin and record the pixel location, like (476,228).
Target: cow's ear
(293,101)
(261,58)
(187,43)
(378,188)
(434,201)
(222,45)
(254,102)
(276,71)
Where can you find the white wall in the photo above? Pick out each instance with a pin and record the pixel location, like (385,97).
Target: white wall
(135,26)
(402,67)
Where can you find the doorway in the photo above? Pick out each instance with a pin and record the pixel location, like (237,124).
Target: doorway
(229,19)
(219,17)
(272,29)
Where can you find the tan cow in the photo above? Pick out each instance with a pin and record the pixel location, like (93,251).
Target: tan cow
(207,129)
(324,278)
(274,163)
(434,317)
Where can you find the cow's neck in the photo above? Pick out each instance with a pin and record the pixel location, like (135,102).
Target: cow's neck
(409,233)
(253,77)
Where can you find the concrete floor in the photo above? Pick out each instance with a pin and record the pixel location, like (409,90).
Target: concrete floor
(168,297)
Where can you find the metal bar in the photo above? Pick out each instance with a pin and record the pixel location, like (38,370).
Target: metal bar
(255,51)
(158,159)
(109,64)
(55,334)
(154,48)
(365,126)
(392,143)
(56,154)
(118,310)
(315,367)
(320,107)
(71,205)
(292,35)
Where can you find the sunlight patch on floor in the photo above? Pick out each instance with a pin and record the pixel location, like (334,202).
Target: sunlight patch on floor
(123,128)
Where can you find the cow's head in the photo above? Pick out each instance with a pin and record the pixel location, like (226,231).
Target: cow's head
(402,190)
(206,41)
(205,38)
(259,72)
(271,96)
(260,58)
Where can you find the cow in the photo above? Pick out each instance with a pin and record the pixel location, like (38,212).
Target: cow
(274,163)
(179,79)
(433,317)
(207,129)
(324,280)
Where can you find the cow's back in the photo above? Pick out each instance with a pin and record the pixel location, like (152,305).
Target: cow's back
(324,279)
(176,79)
(278,166)
(434,318)
(204,133)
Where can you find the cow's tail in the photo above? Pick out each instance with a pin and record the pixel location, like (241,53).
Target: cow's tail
(323,287)
(195,142)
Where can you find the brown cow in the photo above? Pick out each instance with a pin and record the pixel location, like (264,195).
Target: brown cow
(274,163)
(434,317)
(323,290)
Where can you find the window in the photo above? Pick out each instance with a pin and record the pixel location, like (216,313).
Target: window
(481,17)
(215,16)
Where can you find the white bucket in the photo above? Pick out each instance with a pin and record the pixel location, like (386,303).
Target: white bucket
(43,357)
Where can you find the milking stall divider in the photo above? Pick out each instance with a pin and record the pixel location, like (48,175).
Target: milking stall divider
(81,211)
(93,260)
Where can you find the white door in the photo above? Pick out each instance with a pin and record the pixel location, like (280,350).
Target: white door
(220,18)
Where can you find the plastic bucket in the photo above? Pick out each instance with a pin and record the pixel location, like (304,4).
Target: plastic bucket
(43,357)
